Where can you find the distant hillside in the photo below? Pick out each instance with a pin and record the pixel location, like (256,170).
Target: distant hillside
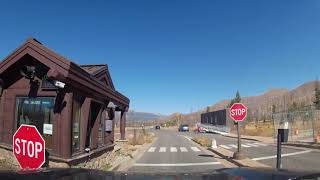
(260,106)
(142,116)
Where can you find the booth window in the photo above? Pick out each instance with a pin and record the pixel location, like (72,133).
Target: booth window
(101,129)
(38,112)
(76,116)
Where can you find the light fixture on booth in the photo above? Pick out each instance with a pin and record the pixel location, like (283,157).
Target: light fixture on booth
(111,105)
(28,71)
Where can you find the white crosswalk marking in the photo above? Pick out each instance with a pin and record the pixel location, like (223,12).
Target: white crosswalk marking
(195,149)
(243,145)
(232,145)
(173,149)
(246,145)
(152,149)
(163,149)
(183,149)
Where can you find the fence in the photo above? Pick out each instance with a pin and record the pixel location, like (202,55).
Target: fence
(304,126)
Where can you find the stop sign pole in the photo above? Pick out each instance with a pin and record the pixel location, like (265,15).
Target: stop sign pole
(238,113)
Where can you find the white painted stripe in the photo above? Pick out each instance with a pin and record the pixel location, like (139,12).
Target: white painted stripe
(283,155)
(178,164)
(173,149)
(224,146)
(261,144)
(163,149)
(252,144)
(234,146)
(243,145)
(152,149)
(195,149)
(183,149)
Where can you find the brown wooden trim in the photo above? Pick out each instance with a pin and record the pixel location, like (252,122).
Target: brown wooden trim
(67,68)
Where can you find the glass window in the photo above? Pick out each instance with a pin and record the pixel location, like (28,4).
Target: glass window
(37,112)
(101,129)
(76,116)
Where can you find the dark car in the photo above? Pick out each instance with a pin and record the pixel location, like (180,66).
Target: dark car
(157,127)
(183,128)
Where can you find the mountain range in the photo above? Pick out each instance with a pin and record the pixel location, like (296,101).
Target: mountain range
(260,107)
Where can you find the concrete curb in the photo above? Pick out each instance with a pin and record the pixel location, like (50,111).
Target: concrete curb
(221,155)
(227,155)
(130,161)
(286,144)
(301,145)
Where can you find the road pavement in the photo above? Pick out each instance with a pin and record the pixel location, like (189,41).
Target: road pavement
(293,157)
(172,152)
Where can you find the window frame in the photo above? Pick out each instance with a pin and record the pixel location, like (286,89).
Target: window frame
(76,98)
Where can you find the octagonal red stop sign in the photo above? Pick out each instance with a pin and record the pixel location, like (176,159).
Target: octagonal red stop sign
(29,147)
(238,112)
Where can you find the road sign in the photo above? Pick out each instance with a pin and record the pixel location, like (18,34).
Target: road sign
(29,147)
(238,112)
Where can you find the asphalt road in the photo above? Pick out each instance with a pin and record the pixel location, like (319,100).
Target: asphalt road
(172,152)
(294,158)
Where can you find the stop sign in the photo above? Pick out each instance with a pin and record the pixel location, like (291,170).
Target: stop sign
(238,112)
(29,147)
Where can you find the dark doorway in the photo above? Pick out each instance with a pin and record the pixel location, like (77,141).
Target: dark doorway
(93,116)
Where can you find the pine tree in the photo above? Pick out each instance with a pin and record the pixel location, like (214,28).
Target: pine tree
(237,99)
(317,99)
(208,108)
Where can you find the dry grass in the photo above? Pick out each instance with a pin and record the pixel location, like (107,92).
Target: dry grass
(259,129)
(142,137)
(203,141)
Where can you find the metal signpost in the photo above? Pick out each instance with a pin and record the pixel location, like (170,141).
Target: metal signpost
(238,113)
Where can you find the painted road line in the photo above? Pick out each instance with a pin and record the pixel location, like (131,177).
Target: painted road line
(261,144)
(187,137)
(252,144)
(232,145)
(283,155)
(173,149)
(163,149)
(224,146)
(178,164)
(195,149)
(152,149)
(243,145)
(183,149)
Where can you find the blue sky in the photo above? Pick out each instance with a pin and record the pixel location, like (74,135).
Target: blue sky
(176,56)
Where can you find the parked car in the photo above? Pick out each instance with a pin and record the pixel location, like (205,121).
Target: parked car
(183,128)
(157,127)
(201,130)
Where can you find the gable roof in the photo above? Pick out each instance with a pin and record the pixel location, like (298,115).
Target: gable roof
(64,70)
(99,71)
